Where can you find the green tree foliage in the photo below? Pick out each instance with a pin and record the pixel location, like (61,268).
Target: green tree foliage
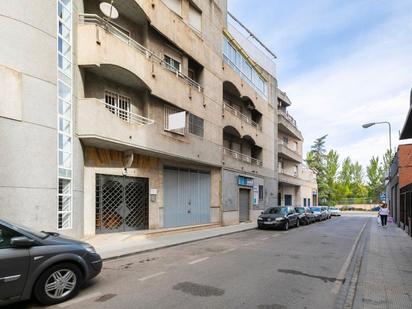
(375,175)
(316,159)
(339,182)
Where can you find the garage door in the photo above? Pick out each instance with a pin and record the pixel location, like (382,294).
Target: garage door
(186,198)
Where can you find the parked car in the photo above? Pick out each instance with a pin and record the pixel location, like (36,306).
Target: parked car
(306,215)
(335,211)
(278,217)
(328,213)
(325,213)
(45,265)
(317,212)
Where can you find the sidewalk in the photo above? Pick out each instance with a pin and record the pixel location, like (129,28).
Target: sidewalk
(116,245)
(385,279)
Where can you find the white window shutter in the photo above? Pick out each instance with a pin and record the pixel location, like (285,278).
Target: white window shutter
(174,5)
(195,18)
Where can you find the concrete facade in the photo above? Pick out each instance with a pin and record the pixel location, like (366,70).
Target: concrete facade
(297,183)
(153,63)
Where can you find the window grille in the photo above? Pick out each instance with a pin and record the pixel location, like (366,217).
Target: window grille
(118,104)
(196,125)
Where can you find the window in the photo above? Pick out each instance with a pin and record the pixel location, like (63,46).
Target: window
(64,109)
(196,125)
(304,202)
(260,193)
(242,66)
(118,104)
(169,110)
(285,139)
(195,18)
(309,202)
(174,5)
(172,64)
(5,237)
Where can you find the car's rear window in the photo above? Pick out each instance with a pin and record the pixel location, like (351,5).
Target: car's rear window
(300,210)
(316,209)
(276,210)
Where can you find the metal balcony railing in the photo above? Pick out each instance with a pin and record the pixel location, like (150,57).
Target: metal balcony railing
(241,116)
(288,117)
(124,35)
(241,157)
(126,115)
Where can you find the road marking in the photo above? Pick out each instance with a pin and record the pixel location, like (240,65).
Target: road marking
(198,261)
(345,266)
(152,276)
(79,299)
(229,250)
(265,238)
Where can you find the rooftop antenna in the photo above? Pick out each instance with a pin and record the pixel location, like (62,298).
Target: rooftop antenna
(109,10)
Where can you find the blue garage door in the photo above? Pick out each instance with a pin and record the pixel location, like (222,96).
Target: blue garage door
(186,197)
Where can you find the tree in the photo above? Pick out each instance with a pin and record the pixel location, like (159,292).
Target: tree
(358,187)
(375,176)
(387,160)
(331,171)
(315,159)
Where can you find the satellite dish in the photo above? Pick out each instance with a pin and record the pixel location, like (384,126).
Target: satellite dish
(109,10)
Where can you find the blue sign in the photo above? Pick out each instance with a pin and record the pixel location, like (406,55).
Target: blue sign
(383,197)
(245,181)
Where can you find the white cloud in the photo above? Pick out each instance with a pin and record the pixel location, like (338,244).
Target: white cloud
(369,84)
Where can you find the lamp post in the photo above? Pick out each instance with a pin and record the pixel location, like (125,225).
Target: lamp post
(368,125)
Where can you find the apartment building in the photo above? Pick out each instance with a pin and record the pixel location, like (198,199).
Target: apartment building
(133,117)
(297,182)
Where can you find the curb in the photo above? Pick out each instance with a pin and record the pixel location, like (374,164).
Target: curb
(173,245)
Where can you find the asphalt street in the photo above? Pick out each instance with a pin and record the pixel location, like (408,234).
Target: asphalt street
(304,267)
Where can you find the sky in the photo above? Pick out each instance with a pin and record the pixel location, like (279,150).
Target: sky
(342,64)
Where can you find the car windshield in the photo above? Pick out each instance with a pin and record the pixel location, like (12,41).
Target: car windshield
(333,208)
(316,209)
(29,231)
(300,210)
(276,210)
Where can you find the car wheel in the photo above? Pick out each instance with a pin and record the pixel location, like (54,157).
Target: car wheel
(286,226)
(58,284)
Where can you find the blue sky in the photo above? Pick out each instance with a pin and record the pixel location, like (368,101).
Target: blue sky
(342,63)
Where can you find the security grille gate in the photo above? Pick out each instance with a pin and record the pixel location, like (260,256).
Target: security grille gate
(122,203)
(186,197)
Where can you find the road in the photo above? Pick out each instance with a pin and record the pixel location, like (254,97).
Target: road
(304,267)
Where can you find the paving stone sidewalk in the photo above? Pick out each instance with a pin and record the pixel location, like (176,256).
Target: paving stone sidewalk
(122,244)
(385,279)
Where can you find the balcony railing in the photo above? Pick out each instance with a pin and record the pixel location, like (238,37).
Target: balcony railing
(241,157)
(124,35)
(287,145)
(241,116)
(288,172)
(288,117)
(126,115)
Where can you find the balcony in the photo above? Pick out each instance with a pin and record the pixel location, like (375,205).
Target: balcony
(104,126)
(101,43)
(285,151)
(289,178)
(288,125)
(241,161)
(283,97)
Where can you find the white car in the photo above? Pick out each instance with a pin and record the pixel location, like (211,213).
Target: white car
(335,211)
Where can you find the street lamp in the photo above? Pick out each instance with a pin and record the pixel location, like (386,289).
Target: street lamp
(370,124)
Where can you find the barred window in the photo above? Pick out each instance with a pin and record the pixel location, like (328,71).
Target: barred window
(118,104)
(172,64)
(196,125)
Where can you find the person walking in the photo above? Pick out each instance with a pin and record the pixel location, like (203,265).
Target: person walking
(383,213)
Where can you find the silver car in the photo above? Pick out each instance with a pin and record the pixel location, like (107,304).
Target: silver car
(45,265)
